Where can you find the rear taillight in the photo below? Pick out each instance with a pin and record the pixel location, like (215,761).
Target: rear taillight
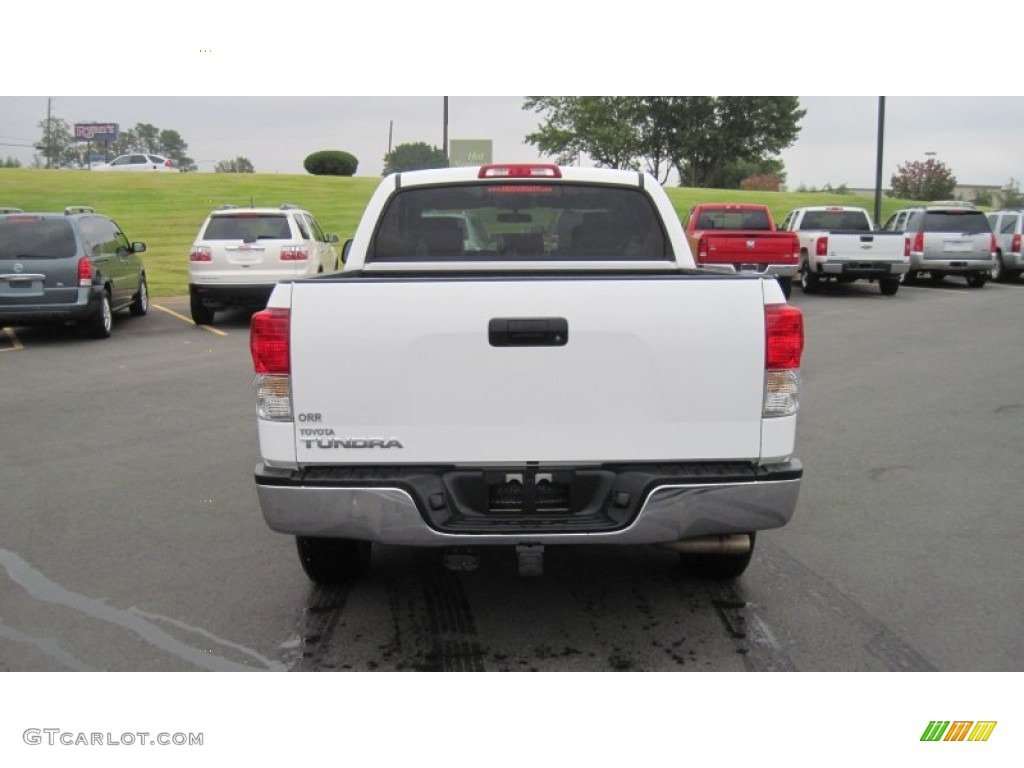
(784,345)
(992,244)
(821,246)
(271,359)
(200,253)
(167,164)
(1015,247)
(918,246)
(702,251)
(269,341)
(84,272)
(294,253)
(906,247)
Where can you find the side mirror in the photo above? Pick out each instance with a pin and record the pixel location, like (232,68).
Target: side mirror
(344,250)
(332,238)
(138,247)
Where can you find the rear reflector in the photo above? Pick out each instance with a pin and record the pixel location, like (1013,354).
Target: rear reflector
(520,171)
(269,341)
(821,246)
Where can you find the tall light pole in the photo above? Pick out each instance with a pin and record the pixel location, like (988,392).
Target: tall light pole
(878,162)
(447,161)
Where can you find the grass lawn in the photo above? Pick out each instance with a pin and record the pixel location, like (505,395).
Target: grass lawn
(165,210)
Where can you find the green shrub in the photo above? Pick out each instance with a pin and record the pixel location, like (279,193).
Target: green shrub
(331,162)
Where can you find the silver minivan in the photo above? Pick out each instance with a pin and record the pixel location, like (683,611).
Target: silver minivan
(947,239)
(1006,226)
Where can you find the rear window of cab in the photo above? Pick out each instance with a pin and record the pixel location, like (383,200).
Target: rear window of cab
(534,220)
(962,222)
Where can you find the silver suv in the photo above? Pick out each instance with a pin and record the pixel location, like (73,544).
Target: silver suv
(947,239)
(1006,226)
(241,253)
(75,266)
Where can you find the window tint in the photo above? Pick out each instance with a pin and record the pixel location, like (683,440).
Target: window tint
(303,225)
(960,222)
(849,220)
(725,219)
(1009,225)
(248,227)
(318,233)
(27,237)
(519,221)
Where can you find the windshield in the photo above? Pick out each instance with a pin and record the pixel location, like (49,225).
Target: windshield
(248,227)
(854,221)
(960,222)
(24,237)
(519,221)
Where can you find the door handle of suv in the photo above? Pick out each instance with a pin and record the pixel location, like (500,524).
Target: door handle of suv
(528,332)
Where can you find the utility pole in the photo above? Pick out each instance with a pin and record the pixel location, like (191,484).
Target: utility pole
(878,163)
(49,144)
(447,161)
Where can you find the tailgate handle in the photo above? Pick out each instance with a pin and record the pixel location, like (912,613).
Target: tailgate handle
(528,332)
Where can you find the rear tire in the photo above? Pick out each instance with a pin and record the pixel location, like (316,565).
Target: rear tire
(201,314)
(786,284)
(101,322)
(717,567)
(976,279)
(333,561)
(140,301)
(998,272)
(808,280)
(889,285)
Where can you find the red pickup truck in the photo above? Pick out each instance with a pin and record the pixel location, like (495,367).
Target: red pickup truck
(742,238)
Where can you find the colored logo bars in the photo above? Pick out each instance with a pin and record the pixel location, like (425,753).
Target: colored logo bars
(958,730)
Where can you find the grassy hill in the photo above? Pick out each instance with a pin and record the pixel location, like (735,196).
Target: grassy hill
(166,210)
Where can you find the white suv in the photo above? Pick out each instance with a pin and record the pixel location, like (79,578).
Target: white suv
(241,253)
(1008,227)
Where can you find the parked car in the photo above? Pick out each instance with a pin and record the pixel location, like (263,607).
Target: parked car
(9,209)
(742,238)
(75,266)
(139,162)
(947,238)
(1006,226)
(240,254)
(840,243)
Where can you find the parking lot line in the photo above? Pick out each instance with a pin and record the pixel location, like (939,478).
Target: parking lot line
(190,320)
(15,344)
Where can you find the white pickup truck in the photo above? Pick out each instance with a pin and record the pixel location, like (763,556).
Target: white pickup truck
(840,243)
(525,356)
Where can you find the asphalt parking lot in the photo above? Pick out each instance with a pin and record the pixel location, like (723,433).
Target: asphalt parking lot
(131,538)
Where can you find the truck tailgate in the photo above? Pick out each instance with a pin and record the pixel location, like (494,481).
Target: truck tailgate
(399,370)
(751,247)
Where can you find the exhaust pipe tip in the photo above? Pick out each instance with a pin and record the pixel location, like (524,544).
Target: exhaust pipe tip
(726,544)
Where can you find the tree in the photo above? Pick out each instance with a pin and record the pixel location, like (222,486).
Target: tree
(614,131)
(413,156)
(10,162)
(1012,197)
(927,179)
(170,144)
(703,138)
(57,144)
(238,165)
(331,162)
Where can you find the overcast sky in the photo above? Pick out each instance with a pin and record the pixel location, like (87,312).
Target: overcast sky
(350,74)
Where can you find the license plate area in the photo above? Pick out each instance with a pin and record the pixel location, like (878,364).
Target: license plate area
(531,498)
